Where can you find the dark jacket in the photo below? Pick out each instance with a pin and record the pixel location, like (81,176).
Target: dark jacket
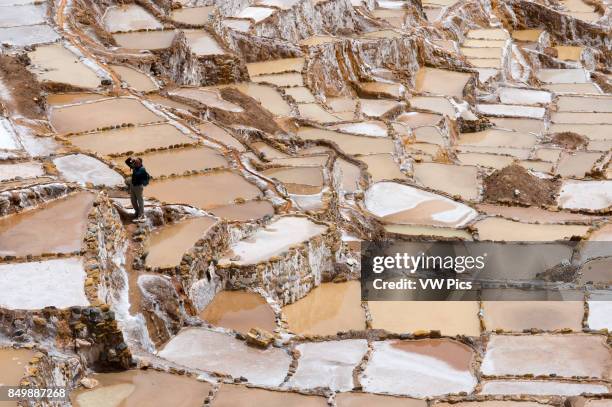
(140,176)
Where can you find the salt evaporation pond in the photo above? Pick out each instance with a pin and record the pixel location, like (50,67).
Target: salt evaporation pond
(207,350)
(136,388)
(272,240)
(540,387)
(240,311)
(58,282)
(327,310)
(328,364)
(84,169)
(231,395)
(422,368)
(130,17)
(398,203)
(14,363)
(168,244)
(564,355)
(369,400)
(62,222)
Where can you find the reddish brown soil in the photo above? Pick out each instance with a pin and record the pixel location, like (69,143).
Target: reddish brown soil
(569,140)
(502,185)
(25,90)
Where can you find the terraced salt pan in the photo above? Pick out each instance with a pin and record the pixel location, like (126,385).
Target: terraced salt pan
(314,112)
(318,40)
(518,96)
(600,311)
(563,355)
(256,13)
(276,66)
(202,349)
(517,316)
(584,104)
(237,24)
(433,103)
(412,230)
(62,222)
(488,34)
(527,35)
(252,210)
(195,189)
(597,271)
(268,96)
(22,170)
(369,400)
(192,15)
(417,119)
(135,139)
(99,114)
(493,403)
(202,43)
(207,97)
(348,143)
(27,14)
(599,132)
(397,203)
(84,169)
(282,4)
(577,75)
(178,160)
(328,364)
(378,107)
(578,164)
(135,79)
(495,161)
(382,167)
(590,195)
(14,363)
(232,396)
(167,245)
(59,283)
(300,95)
(449,317)
(498,229)
(61,99)
(539,387)
(580,117)
(273,240)
(498,138)
(327,309)
(301,180)
(55,63)
(216,133)
(393,90)
(240,311)
(151,40)
(453,179)
(129,17)
(441,82)
(488,53)
(372,128)
(512,111)
(532,215)
(142,388)
(28,35)
(583,88)
(419,368)
(477,43)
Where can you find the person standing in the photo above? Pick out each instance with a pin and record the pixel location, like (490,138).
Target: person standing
(136,183)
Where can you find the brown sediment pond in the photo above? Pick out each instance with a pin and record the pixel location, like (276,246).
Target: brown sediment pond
(498,138)
(131,139)
(276,66)
(207,97)
(517,316)
(14,363)
(417,119)
(578,164)
(62,222)
(59,99)
(233,395)
(452,179)
(382,167)
(495,161)
(197,190)
(436,104)
(499,229)
(150,40)
(139,388)
(348,143)
(281,79)
(597,271)
(57,64)
(314,112)
(99,114)
(135,79)
(218,134)
(130,17)
(192,15)
(519,125)
(449,317)
(369,400)
(327,309)
(168,244)
(268,96)
(441,82)
(532,214)
(243,212)
(240,311)
(178,160)
(298,180)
